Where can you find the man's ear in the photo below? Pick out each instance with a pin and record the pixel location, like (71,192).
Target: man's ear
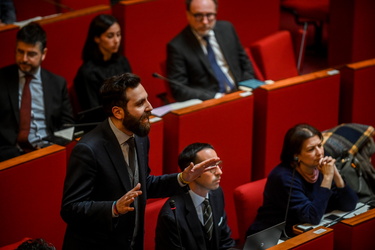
(118,112)
(44,53)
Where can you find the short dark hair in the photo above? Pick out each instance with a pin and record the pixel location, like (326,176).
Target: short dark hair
(188,3)
(98,26)
(294,139)
(113,90)
(35,244)
(33,33)
(189,154)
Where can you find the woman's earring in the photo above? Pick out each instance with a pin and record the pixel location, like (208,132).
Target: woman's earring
(296,159)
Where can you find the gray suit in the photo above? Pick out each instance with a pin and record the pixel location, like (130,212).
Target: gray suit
(190,70)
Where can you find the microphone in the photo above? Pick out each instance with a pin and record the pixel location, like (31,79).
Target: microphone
(59,5)
(69,125)
(172,204)
(163,96)
(287,206)
(156,75)
(339,218)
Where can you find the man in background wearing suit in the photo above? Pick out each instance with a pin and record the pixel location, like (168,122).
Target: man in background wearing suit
(196,227)
(29,114)
(197,70)
(108,178)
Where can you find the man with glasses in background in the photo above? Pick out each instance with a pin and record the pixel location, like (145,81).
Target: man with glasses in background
(195,219)
(206,59)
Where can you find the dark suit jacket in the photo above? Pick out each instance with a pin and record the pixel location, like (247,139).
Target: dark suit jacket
(190,70)
(191,230)
(96,177)
(57,105)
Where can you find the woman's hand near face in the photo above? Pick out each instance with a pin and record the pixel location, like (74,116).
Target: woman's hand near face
(327,168)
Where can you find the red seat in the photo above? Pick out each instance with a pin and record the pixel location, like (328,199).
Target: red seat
(151,218)
(247,199)
(307,12)
(257,73)
(274,55)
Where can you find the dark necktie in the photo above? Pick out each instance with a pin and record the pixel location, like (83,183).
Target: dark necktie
(25,116)
(220,76)
(131,154)
(207,218)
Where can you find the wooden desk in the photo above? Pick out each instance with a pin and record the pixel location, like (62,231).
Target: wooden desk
(31,191)
(357,94)
(318,238)
(311,98)
(225,123)
(356,232)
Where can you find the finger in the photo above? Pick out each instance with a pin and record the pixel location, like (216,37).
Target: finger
(137,187)
(190,167)
(207,163)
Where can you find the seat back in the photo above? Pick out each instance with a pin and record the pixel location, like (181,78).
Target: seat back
(274,55)
(257,73)
(151,219)
(247,199)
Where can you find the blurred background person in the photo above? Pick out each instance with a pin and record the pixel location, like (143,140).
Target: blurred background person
(34,102)
(206,59)
(36,244)
(102,59)
(7,12)
(306,181)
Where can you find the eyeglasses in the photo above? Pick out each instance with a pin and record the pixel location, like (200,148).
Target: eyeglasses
(218,164)
(200,16)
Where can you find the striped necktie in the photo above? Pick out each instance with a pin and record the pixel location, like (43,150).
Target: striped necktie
(25,117)
(224,82)
(207,218)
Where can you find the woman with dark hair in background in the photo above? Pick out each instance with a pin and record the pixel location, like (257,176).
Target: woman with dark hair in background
(102,59)
(307,180)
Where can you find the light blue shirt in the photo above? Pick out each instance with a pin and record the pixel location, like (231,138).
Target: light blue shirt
(38,127)
(198,204)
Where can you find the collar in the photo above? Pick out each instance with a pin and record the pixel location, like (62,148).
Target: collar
(120,136)
(211,33)
(36,76)
(197,199)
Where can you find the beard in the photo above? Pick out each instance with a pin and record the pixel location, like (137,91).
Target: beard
(135,124)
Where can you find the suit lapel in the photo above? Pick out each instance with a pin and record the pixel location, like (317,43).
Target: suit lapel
(142,162)
(115,155)
(197,49)
(220,38)
(47,98)
(193,222)
(216,218)
(13,86)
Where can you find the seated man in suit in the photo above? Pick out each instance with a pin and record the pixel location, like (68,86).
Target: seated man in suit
(197,226)
(206,59)
(30,113)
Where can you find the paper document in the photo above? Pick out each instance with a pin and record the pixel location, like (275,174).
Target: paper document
(160,111)
(335,216)
(65,133)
